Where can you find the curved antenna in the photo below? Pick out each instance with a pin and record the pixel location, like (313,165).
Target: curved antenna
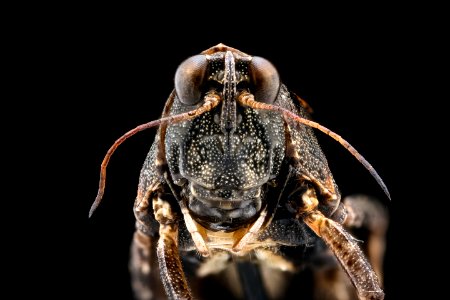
(247,99)
(211,101)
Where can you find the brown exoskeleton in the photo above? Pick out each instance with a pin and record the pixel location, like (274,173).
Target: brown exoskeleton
(236,184)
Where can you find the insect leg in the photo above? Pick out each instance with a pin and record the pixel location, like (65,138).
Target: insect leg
(367,213)
(347,251)
(172,274)
(143,265)
(171,270)
(155,264)
(343,246)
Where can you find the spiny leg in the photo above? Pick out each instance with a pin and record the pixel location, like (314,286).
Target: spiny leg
(171,269)
(343,246)
(362,212)
(143,265)
(368,213)
(172,274)
(348,253)
(155,264)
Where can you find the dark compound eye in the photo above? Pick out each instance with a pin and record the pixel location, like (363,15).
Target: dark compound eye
(189,79)
(265,79)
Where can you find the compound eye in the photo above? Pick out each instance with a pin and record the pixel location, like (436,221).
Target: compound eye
(189,79)
(265,80)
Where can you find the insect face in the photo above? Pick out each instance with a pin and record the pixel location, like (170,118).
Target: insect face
(225,157)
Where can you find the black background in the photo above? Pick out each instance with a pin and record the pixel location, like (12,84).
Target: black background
(99,72)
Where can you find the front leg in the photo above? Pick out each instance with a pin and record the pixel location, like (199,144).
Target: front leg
(172,274)
(344,247)
(143,265)
(171,269)
(368,213)
(155,264)
(348,253)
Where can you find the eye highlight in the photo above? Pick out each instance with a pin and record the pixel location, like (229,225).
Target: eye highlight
(189,79)
(265,80)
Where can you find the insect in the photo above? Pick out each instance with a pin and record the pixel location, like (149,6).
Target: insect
(236,187)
